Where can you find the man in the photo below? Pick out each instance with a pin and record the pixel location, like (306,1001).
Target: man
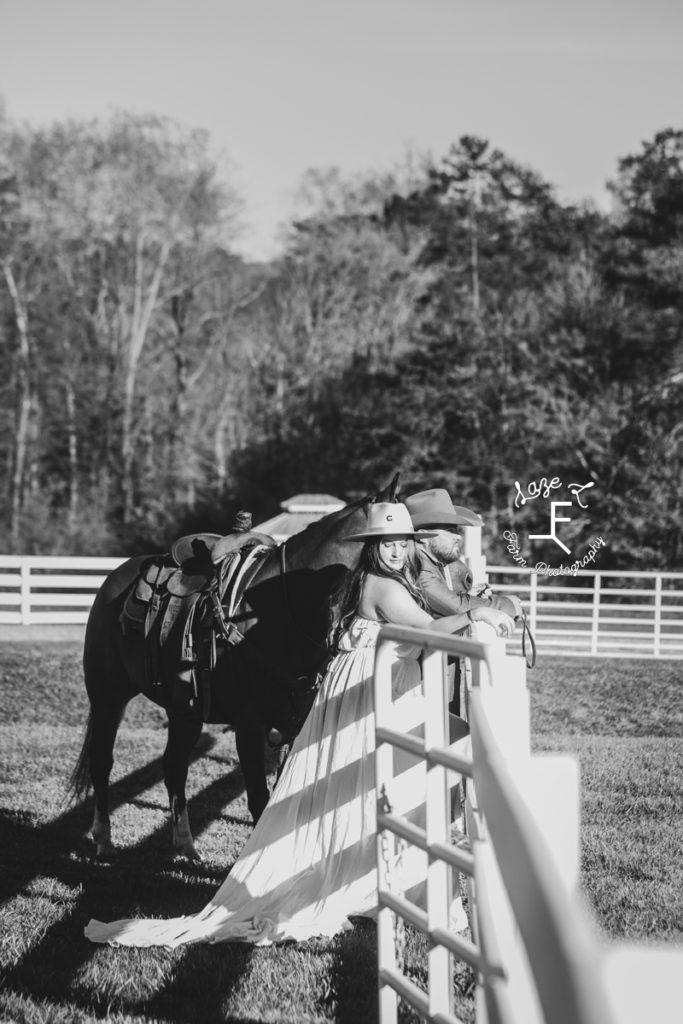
(447,590)
(438,557)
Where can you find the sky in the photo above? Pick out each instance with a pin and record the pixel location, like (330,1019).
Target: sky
(287,85)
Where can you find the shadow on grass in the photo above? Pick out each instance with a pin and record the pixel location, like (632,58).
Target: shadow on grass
(185,985)
(54,888)
(43,870)
(50,886)
(354,995)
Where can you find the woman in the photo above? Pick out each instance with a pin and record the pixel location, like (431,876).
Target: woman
(310,862)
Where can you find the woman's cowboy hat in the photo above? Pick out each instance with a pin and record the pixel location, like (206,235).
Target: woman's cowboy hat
(387,519)
(435,509)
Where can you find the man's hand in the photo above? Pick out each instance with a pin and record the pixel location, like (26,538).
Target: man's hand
(508,603)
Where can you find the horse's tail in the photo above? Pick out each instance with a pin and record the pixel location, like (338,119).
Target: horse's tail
(79,780)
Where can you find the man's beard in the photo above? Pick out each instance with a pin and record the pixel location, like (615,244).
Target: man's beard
(449,552)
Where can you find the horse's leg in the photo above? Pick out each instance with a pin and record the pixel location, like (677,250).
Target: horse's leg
(250,740)
(105,725)
(109,689)
(183,734)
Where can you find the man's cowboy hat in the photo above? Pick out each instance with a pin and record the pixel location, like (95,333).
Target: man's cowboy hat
(435,509)
(387,519)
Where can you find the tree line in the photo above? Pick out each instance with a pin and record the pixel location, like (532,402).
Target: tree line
(453,320)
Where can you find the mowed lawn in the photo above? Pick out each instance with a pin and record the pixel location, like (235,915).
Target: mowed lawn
(623,719)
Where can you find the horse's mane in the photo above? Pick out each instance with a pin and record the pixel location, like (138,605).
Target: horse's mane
(324,528)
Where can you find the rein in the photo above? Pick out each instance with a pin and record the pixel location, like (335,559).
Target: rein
(526,632)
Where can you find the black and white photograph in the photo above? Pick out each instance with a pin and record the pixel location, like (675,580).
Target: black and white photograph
(341,509)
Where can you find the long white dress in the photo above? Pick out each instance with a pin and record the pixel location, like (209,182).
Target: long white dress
(310,862)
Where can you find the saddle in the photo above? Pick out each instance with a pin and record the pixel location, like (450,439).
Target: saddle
(183,603)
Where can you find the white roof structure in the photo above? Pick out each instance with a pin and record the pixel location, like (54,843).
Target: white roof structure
(298,513)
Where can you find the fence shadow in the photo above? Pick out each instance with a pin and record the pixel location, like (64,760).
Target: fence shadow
(54,863)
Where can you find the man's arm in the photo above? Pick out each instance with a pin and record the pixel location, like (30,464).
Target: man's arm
(440,599)
(461,579)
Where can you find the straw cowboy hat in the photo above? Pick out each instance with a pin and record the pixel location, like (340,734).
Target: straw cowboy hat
(387,519)
(435,509)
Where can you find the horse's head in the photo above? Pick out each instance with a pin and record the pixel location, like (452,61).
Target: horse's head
(323,543)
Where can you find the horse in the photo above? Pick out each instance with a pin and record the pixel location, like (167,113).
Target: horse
(283,618)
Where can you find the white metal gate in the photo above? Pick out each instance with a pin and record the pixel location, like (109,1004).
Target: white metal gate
(534,950)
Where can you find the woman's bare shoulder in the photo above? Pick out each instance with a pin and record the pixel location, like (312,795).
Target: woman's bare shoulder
(389,601)
(378,585)
(377,590)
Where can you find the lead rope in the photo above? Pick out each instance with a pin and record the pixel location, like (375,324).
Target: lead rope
(399,924)
(526,632)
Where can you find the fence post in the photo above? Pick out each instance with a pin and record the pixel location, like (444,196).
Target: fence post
(386,845)
(658,614)
(472,553)
(25,593)
(439,883)
(595,624)
(533,601)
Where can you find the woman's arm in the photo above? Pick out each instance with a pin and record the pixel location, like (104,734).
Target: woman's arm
(500,621)
(388,600)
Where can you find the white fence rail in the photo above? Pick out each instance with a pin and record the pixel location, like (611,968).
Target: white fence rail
(534,951)
(55,590)
(598,614)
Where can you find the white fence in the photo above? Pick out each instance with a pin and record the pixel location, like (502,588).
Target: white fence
(534,951)
(599,614)
(55,590)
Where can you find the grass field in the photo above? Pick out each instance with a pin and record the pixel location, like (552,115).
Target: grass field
(623,720)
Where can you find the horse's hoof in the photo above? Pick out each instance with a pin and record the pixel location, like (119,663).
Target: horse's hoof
(104,850)
(105,856)
(189,852)
(181,833)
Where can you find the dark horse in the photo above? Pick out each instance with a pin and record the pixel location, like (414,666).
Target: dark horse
(284,619)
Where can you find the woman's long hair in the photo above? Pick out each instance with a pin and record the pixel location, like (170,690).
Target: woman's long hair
(344,603)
